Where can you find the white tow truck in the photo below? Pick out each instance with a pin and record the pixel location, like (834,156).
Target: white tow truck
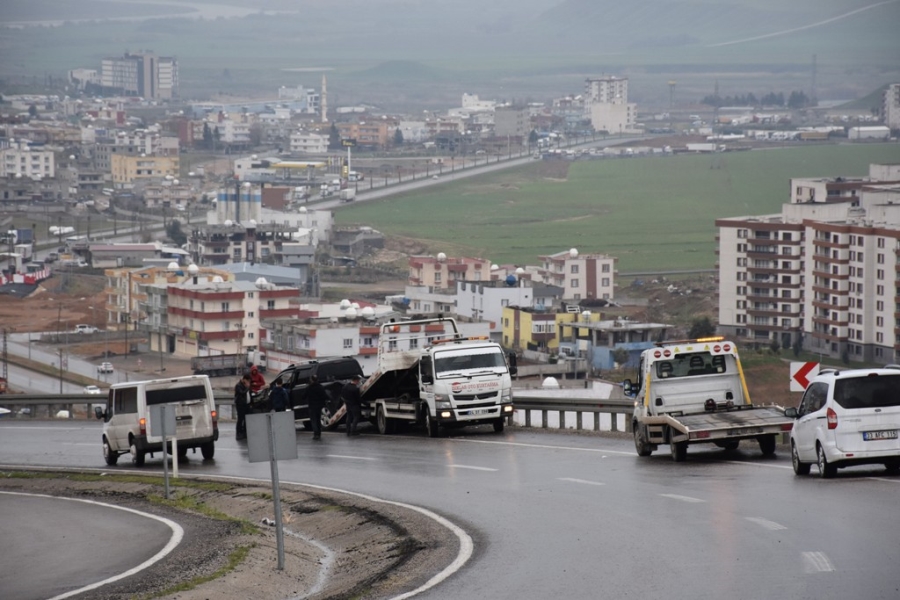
(694,391)
(428,373)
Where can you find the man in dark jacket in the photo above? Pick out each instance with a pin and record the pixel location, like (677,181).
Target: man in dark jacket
(316,397)
(241,403)
(351,397)
(278,396)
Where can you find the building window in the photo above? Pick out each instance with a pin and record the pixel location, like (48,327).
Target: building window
(270,305)
(573,283)
(250,314)
(251,335)
(348,343)
(604,282)
(604,268)
(573,269)
(413,343)
(225,306)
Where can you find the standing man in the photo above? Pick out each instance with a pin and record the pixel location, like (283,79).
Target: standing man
(241,402)
(351,397)
(316,396)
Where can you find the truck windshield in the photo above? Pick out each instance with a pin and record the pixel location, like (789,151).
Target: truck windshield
(456,362)
(691,365)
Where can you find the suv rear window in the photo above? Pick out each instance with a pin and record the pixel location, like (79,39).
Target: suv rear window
(874,391)
(344,369)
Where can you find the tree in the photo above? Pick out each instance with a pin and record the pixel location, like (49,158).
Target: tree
(398,137)
(702,328)
(207,136)
(32,110)
(334,138)
(621,356)
(532,138)
(175,233)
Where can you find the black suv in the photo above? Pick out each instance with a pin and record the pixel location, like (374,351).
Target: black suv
(332,374)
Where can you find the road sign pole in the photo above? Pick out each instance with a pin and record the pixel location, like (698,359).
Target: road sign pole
(165,454)
(279,534)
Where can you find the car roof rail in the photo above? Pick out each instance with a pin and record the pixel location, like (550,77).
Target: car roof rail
(892,366)
(829,370)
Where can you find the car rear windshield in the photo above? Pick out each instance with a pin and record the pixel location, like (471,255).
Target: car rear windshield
(875,391)
(345,369)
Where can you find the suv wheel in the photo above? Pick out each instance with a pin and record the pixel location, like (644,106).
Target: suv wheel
(826,471)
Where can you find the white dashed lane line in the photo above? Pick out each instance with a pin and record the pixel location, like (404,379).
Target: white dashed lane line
(766,524)
(472,468)
(816,562)
(682,498)
(350,457)
(583,481)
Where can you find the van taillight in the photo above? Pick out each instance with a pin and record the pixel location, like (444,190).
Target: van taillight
(143,425)
(215,419)
(832,418)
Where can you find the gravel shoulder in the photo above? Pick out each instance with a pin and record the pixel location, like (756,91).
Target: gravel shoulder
(335,545)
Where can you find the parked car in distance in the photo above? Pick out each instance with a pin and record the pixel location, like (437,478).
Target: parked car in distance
(105,367)
(848,418)
(82,328)
(92,389)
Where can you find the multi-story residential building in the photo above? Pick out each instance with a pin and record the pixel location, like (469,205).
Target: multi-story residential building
(582,277)
(606,104)
(443,272)
(822,275)
(240,242)
(599,341)
(512,122)
(891,106)
(370,134)
(21,160)
(207,317)
(141,74)
(126,170)
(308,142)
(605,90)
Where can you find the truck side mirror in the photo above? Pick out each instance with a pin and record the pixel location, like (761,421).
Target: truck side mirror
(98,412)
(627,387)
(513,368)
(426,377)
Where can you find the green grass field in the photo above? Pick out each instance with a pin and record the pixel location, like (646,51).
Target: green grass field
(651,213)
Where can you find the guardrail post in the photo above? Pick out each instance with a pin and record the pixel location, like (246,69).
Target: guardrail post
(596,421)
(578,420)
(527,418)
(613,421)
(543,419)
(562,419)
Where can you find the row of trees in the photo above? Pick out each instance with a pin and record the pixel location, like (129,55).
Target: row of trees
(794,100)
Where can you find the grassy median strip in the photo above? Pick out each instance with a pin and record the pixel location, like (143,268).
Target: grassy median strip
(234,559)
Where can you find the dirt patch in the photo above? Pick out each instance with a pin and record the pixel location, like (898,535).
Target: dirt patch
(335,546)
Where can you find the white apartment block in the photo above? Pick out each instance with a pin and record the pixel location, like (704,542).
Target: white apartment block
(613,118)
(485,300)
(606,104)
(606,90)
(582,277)
(825,273)
(891,107)
(19,160)
(308,142)
(142,74)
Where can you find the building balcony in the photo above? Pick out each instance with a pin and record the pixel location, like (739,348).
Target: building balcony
(363,351)
(762,254)
(275,313)
(829,322)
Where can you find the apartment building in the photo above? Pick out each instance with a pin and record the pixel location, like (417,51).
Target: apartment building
(582,277)
(141,74)
(891,106)
(20,159)
(606,104)
(229,242)
(513,122)
(308,142)
(223,317)
(822,275)
(370,134)
(127,170)
(442,271)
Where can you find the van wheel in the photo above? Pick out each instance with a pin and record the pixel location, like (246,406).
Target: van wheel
(800,467)
(383,424)
(826,471)
(208,450)
(498,425)
(109,455)
(137,456)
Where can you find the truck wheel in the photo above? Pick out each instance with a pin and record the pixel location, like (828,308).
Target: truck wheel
(826,471)
(800,468)
(641,444)
(182,453)
(109,455)
(767,444)
(208,450)
(383,424)
(137,456)
(498,425)
(678,450)
(431,426)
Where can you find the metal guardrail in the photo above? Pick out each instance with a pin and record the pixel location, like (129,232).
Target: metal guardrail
(529,405)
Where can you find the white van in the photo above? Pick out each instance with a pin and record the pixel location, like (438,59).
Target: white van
(126,427)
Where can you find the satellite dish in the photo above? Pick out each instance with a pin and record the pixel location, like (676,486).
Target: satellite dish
(218,279)
(441,257)
(172,266)
(191,174)
(350,313)
(345,304)
(261,282)
(246,185)
(252,223)
(586,315)
(355,305)
(71,157)
(573,253)
(174,182)
(520,271)
(368,313)
(193,269)
(550,383)
(228,223)
(303,210)
(495,267)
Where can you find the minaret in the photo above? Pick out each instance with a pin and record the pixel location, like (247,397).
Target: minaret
(324,100)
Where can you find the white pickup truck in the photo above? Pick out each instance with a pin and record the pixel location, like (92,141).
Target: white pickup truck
(693,392)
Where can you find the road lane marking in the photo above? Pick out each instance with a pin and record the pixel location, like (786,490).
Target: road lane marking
(682,498)
(548,446)
(816,562)
(584,481)
(472,468)
(349,457)
(174,540)
(765,523)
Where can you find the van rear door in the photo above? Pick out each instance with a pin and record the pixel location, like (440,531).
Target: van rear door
(193,406)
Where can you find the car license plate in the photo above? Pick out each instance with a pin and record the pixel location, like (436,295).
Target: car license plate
(889,434)
(479,411)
